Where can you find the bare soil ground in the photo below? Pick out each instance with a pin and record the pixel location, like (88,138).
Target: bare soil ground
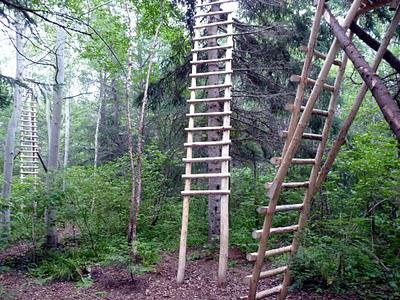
(115,283)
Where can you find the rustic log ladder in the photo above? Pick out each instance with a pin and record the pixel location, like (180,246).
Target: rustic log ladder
(29,155)
(210,89)
(300,118)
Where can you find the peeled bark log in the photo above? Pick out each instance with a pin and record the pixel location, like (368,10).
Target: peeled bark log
(9,148)
(391,59)
(387,104)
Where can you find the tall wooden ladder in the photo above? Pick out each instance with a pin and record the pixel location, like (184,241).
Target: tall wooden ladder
(29,151)
(209,118)
(296,133)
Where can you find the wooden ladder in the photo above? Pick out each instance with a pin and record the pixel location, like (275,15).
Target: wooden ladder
(29,154)
(209,104)
(300,118)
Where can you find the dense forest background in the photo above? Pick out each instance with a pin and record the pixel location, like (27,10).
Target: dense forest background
(352,242)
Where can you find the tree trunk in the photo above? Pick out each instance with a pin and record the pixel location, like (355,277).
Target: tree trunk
(98,120)
(128,86)
(142,116)
(341,137)
(391,59)
(48,121)
(54,145)
(387,104)
(120,146)
(214,201)
(11,131)
(67,128)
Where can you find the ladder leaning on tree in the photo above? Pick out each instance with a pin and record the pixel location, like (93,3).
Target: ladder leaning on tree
(209,115)
(300,119)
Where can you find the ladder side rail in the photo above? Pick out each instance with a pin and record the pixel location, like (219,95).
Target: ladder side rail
(224,229)
(315,170)
(294,119)
(340,140)
(274,192)
(188,171)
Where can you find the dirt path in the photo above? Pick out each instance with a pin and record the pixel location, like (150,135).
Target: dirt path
(116,284)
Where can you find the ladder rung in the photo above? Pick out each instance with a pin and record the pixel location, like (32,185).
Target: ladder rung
(214,3)
(206,159)
(206,175)
(210,114)
(269,253)
(213,13)
(205,192)
(208,87)
(306,136)
(209,61)
(291,185)
(310,82)
(268,273)
(211,73)
(216,128)
(210,143)
(320,112)
(321,55)
(209,37)
(269,292)
(28,172)
(212,24)
(208,100)
(295,161)
(224,47)
(280,208)
(257,233)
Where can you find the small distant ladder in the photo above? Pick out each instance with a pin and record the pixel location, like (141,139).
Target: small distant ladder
(209,105)
(300,118)
(29,149)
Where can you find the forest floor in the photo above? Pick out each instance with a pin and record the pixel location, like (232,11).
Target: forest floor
(115,283)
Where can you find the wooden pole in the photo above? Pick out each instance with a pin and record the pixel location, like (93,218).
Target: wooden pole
(189,156)
(388,106)
(224,226)
(340,140)
(304,74)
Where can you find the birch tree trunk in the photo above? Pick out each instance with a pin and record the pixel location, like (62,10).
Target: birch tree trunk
(142,116)
(54,145)
(9,148)
(128,86)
